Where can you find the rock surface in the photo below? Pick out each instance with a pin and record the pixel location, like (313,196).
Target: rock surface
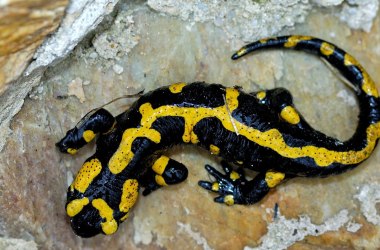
(147,47)
(23,27)
(82,17)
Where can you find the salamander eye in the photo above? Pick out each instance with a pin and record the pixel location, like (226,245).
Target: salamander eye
(87,223)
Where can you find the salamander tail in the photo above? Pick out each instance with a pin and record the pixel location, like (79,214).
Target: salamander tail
(368,130)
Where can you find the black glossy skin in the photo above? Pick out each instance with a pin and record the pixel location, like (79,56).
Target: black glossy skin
(262,114)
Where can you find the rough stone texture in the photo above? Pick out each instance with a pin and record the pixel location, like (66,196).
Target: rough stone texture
(165,49)
(17,244)
(243,19)
(282,233)
(369,196)
(326,3)
(117,41)
(82,17)
(23,27)
(359,14)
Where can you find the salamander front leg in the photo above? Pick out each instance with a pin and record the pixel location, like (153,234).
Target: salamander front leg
(101,121)
(234,188)
(164,171)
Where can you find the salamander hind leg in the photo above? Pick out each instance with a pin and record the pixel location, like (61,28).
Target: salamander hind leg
(281,101)
(234,188)
(100,121)
(164,172)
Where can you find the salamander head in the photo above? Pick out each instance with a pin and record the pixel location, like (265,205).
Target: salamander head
(89,218)
(70,143)
(87,223)
(93,210)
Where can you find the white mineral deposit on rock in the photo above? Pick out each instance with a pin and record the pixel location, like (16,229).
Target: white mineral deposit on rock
(118,69)
(359,14)
(83,17)
(326,3)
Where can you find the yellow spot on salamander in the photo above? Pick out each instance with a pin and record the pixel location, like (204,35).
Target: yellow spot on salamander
(294,40)
(368,85)
(86,174)
(266,40)
(189,135)
(160,164)
(214,149)
(234,176)
(290,115)
(129,196)
(261,95)
(273,178)
(177,87)
(229,200)
(160,180)
(121,158)
(72,151)
(193,138)
(215,187)
(109,226)
(124,217)
(327,49)
(75,206)
(88,135)
(232,95)
(241,51)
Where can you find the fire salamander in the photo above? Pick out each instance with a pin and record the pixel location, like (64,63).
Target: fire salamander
(261,131)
